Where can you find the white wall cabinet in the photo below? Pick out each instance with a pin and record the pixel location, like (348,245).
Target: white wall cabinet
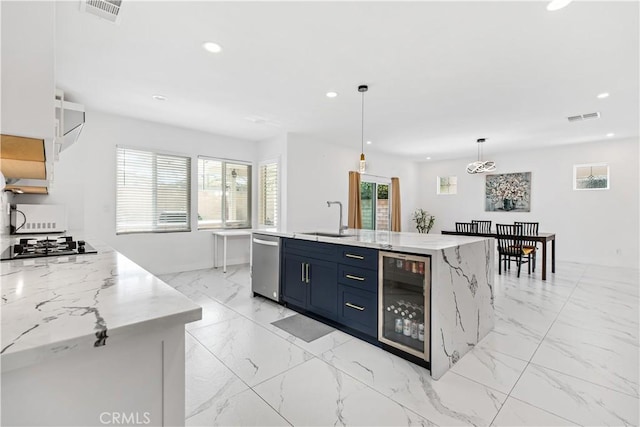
(28,68)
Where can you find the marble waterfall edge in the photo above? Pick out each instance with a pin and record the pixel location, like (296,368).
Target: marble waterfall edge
(462,301)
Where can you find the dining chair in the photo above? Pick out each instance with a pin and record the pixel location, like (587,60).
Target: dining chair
(511,247)
(530,229)
(466,227)
(483,226)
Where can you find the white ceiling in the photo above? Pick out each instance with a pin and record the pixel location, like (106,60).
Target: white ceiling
(440,74)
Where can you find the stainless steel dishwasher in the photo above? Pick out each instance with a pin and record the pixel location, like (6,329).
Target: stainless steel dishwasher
(265,266)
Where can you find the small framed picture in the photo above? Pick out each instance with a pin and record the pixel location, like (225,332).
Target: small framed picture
(447,185)
(593,176)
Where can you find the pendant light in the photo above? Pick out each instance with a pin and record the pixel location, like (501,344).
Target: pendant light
(480,166)
(363,164)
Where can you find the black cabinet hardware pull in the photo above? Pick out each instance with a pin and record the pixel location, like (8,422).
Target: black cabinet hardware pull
(349,276)
(302,275)
(357,307)
(307,272)
(354,256)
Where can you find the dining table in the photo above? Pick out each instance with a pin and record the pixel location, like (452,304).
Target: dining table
(543,238)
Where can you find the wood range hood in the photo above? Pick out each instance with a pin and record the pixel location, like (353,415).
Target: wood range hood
(23,164)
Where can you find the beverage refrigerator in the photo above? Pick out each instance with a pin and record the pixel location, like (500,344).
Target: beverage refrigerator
(404,290)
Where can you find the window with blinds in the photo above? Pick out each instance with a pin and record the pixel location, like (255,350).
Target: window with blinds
(153,192)
(224,194)
(268,198)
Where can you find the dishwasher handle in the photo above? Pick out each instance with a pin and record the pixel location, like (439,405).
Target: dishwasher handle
(264,242)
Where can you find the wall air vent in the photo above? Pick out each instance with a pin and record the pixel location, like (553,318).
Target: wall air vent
(581,117)
(105,9)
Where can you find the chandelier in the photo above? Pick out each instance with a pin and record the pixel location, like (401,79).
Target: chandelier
(480,166)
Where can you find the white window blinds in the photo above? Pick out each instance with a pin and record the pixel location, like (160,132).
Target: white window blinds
(224,194)
(153,192)
(268,197)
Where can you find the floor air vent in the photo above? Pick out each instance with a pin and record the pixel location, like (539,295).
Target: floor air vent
(105,9)
(584,117)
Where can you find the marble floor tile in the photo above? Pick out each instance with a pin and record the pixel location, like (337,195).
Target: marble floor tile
(517,413)
(317,346)
(212,312)
(574,399)
(609,286)
(259,309)
(452,400)
(578,328)
(593,318)
(243,409)
(316,393)
(207,380)
(511,342)
(249,350)
(490,368)
(599,358)
(617,274)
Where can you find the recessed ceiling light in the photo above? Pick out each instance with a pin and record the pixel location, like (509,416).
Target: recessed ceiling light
(332,94)
(368,142)
(557,4)
(212,47)
(159,97)
(428,158)
(603,95)
(610,134)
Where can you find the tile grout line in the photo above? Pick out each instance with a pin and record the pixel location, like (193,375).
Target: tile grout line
(536,350)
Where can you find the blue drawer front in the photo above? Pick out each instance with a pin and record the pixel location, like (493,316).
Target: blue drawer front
(318,250)
(359,257)
(358,309)
(360,278)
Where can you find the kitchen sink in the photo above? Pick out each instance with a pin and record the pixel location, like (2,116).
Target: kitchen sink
(324,234)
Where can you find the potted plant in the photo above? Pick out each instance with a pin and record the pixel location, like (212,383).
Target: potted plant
(424,221)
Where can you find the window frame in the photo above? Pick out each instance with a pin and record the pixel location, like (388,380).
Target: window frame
(223,224)
(275,161)
(188,189)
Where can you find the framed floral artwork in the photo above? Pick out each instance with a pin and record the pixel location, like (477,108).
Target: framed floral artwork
(508,192)
(594,176)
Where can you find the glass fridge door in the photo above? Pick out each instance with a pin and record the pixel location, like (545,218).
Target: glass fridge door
(404,296)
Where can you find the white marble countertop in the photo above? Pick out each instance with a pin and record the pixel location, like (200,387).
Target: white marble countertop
(386,240)
(57,304)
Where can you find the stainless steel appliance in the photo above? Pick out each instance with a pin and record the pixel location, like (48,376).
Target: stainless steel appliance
(265,266)
(46,247)
(404,302)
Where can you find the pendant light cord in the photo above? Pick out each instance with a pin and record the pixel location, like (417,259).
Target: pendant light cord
(362,132)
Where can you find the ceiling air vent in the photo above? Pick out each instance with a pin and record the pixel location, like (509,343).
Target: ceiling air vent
(105,9)
(581,117)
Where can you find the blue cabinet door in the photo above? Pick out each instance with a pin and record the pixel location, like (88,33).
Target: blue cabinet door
(323,289)
(294,284)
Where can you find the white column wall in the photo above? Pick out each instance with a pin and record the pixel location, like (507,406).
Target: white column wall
(599,227)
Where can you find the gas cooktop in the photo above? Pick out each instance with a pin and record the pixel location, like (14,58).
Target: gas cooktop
(45,247)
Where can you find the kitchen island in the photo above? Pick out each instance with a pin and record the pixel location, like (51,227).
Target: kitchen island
(91,339)
(460,309)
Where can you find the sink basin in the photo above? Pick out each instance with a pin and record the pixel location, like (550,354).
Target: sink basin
(324,234)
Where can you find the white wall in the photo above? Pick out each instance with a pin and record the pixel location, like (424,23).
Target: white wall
(319,171)
(600,227)
(85,182)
